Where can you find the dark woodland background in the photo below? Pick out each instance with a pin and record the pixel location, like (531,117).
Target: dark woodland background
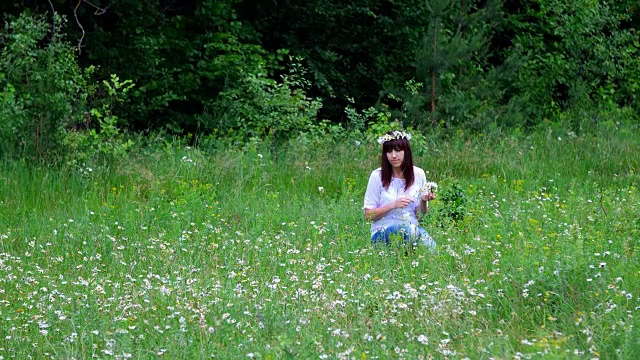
(256,68)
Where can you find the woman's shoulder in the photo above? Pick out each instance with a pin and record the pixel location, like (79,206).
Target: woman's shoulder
(376,174)
(418,170)
(419,174)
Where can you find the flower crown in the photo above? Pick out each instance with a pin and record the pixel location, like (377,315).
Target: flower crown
(393,136)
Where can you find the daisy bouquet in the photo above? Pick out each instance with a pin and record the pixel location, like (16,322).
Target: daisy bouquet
(429,187)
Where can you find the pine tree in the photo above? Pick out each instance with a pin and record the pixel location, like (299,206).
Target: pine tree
(452,49)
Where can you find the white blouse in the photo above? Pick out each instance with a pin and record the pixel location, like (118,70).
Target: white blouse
(377,196)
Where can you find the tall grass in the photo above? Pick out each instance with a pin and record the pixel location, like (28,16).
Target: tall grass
(180,253)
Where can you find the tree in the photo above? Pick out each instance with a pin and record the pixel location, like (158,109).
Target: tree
(42,88)
(451,59)
(352,49)
(576,55)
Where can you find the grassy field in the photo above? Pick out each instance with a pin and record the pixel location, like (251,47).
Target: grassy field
(246,253)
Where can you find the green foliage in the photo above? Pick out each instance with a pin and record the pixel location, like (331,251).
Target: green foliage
(371,123)
(11,117)
(454,202)
(45,98)
(104,139)
(353,48)
(180,55)
(258,107)
(214,68)
(455,82)
(42,87)
(577,55)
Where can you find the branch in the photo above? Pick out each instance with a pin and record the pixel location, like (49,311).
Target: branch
(75,14)
(53,20)
(99,11)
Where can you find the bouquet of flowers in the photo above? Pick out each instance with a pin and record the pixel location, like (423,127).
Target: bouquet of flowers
(429,187)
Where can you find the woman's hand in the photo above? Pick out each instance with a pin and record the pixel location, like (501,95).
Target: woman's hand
(423,205)
(402,202)
(377,213)
(428,196)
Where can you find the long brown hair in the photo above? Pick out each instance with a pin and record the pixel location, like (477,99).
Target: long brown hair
(407,163)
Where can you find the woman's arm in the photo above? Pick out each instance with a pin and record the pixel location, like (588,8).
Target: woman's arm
(422,207)
(423,204)
(378,213)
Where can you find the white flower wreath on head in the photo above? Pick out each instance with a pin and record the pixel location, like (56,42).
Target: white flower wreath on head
(394,135)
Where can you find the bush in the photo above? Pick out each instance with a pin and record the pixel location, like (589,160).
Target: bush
(454,202)
(45,95)
(259,107)
(103,139)
(42,87)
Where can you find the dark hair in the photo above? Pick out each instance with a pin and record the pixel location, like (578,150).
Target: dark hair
(407,163)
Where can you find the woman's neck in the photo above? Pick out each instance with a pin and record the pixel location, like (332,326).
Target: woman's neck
(397,174)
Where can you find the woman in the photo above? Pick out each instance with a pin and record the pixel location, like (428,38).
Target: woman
(397,193)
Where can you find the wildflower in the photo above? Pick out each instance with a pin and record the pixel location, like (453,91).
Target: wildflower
(393,136)
(429,187)
(422,339)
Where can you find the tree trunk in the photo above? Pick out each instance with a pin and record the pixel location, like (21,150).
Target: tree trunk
(433,69)
(462,30)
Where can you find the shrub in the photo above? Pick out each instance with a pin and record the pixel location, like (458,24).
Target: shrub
(259,107)
(41,87)
(454,202)
(103,138)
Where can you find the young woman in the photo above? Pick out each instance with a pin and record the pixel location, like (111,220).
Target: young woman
(397,193)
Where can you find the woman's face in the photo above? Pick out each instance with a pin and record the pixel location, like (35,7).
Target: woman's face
(395,157)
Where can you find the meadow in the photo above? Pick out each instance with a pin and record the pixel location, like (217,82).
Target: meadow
(249,252)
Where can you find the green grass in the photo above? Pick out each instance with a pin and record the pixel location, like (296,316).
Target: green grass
(182,254)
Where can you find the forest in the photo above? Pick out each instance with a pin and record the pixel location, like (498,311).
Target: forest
(86,75)
(185,179)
